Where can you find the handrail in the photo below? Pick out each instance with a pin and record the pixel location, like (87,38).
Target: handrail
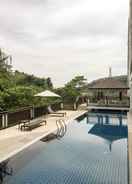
(61,128)
(58,127)
(64,127)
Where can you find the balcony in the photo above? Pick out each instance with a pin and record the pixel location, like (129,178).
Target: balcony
(109,102)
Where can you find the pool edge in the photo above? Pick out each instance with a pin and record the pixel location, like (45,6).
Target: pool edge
(18,150)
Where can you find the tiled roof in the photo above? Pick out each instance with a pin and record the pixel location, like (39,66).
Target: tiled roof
(108,83)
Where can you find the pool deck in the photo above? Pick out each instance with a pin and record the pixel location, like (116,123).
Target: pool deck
(13,140)
(130,145)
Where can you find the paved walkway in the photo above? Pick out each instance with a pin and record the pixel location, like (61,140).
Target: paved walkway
(130,145)
(13,140)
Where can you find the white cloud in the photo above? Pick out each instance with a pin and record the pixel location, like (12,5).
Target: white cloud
(62,38)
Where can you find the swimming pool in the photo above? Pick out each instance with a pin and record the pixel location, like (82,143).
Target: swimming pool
(93,151)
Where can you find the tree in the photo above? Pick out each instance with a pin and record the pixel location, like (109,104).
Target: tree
(4,58)
(19,96)
(49,83)
(27,80)
(77,82)
(72,90)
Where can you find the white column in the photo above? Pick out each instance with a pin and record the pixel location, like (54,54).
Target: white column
(62,106)
(32,112)
(3,120)
(75,107)
(6,120)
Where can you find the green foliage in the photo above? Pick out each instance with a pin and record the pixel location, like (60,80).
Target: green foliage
(72,89)
(27,80)
(4,59)
(77,82)
(49,83)
(17,89)
(18,96)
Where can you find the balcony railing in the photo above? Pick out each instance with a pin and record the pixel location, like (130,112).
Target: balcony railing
(110,102)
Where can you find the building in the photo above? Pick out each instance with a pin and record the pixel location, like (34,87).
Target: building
(110,91)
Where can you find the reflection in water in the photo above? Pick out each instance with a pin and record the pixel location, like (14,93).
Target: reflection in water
(101,118)
(110,133)
(80,157)
(5,170)
(107,130)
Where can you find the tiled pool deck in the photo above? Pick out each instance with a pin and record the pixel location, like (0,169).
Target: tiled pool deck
(13,140)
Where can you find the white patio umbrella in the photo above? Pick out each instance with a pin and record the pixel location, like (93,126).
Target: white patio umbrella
(47,93)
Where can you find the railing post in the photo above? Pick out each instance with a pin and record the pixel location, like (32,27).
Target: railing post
(98,119)
(32,113)
(75,106)
(120,120)
(3,120)
(101,117)
(62,106)
(107,119)
(6,120)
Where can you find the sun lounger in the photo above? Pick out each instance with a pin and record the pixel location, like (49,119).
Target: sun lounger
(32,124)
(53,113)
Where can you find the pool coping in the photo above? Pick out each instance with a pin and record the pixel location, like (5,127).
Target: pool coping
(18,150)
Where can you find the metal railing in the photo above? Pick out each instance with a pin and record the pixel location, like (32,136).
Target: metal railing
(59,133)
(11,118)
(61,128)
(110,101)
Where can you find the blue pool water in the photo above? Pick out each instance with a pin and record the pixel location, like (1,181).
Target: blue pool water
(91,152)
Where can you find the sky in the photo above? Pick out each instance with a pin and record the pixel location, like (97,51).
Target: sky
(64,38)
